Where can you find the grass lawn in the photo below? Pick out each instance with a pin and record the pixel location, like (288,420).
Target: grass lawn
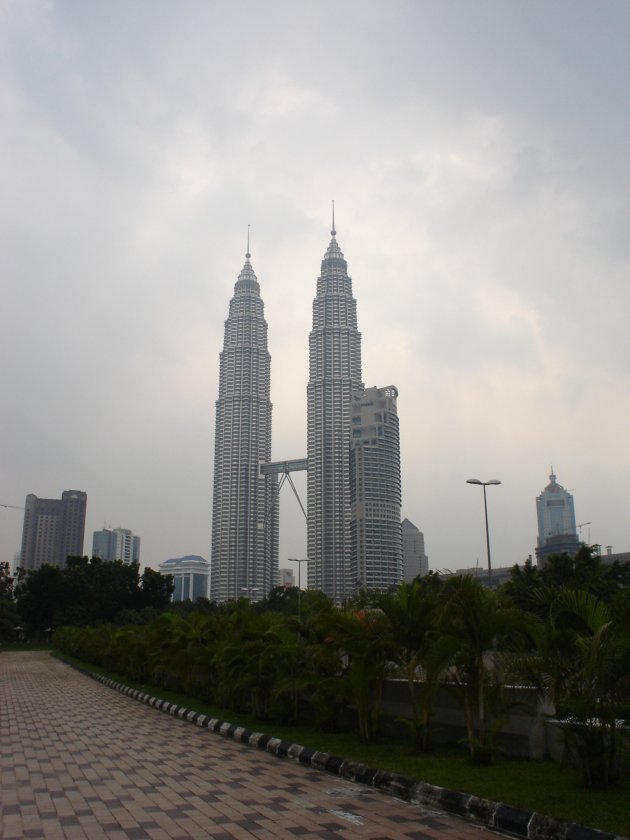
(545,787)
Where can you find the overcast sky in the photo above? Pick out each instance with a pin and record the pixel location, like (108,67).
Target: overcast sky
(477,153)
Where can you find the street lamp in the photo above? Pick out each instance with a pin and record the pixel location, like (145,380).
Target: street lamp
(485,484)
(299,562)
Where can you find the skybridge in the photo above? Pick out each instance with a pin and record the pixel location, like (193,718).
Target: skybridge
(285,468)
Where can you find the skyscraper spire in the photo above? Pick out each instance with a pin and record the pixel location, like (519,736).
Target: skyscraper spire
(247,255)
(334,251)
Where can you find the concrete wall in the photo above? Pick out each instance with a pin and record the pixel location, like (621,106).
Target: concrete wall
(522,733)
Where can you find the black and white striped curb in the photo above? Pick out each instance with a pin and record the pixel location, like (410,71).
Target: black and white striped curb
(485,812)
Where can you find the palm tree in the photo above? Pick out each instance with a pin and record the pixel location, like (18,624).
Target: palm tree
(364,645)
(596,683)
(285,658)
(412,614)
(244,683)
(477,632)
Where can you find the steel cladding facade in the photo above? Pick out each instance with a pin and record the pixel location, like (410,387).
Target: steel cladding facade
(334,376)
(244,559)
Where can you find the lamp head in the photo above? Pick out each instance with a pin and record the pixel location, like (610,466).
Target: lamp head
(473,481)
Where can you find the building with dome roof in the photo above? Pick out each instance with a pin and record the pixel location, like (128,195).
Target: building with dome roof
(557,532)
(190,576)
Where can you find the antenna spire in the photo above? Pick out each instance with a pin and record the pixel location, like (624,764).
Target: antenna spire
(247,255)
(333,231)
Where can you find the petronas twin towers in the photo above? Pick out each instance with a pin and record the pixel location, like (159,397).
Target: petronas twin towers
(244,513)
(353,452)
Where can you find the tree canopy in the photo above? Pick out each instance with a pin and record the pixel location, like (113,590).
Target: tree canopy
(87,591)
(9,617)
(530,587)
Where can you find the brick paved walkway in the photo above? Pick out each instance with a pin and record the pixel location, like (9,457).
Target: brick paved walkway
(82,761)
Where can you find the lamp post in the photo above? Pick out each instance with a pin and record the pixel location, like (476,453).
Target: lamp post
(299,561)
(485,484)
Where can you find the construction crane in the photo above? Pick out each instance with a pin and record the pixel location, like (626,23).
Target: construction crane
(15,507)
(581,525)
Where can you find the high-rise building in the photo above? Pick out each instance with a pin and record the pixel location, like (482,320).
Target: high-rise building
(190,576)
(557,532)
(244,559)
(375,532)
(415,561)
(53,529)
(334,376)
(116,544)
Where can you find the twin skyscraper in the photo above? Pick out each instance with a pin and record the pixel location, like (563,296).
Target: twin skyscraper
(354,537)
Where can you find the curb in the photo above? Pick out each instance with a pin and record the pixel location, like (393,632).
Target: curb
(484,812)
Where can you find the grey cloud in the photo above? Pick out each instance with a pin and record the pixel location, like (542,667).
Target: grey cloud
(476,152)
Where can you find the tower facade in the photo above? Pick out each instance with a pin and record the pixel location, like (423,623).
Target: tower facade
(53,529)
(375,496)
(415,561)
(557,532)
(334,376)
(117,544)
(244,558)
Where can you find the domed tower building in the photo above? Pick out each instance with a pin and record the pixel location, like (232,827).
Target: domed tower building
(557,532)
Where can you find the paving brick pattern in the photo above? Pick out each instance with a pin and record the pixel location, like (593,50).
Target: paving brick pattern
(82,762)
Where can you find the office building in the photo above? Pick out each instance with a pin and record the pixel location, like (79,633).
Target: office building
(557,532)
(190,576)
(53,529)
(116,544)
(375,530)
(334,376)
(415,561)
(244,558)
